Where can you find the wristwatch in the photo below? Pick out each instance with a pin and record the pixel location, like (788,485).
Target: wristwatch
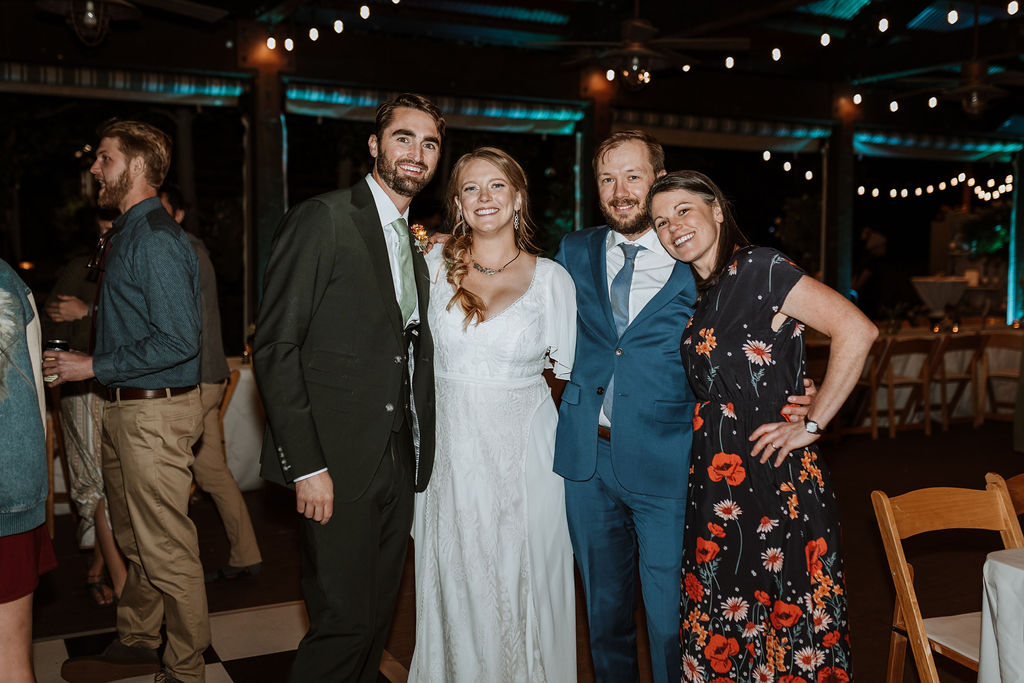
(813,427)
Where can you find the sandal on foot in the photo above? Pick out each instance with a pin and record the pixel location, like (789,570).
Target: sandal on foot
(102,595)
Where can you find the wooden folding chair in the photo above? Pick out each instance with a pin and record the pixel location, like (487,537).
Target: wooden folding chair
(957,636)
(958,351)
(865,405)
(55,449)
(1015,486)
(991,404)
(899,352)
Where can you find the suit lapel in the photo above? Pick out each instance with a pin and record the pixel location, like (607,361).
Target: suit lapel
(599,269)
(367,221)
(677,281)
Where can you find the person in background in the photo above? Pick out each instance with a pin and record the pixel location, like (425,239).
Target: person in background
(210,466)
(68,316)
(763,582)
(25,548)
(148,329)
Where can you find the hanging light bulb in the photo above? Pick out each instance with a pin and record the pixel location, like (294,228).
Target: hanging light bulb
(953,16)
(883,25)
(271,43)
(874,192)
(809,175)
(364,11)
(904,193)
(942,185)
(610,74)
(963,176)
(787,167)
(995,194)
(776,54)
(918,192)
(825,39)
(1009,179)
(857,98)
(1002,188)
(933,102)
(893,193)
(991,182)
(970,182)
(766,155)
(860,190)
(314,34)
(930,189)
(339,26)
(289,44)
(1012,7)
(729,62)
(953,182)
(686,68)
(894,106)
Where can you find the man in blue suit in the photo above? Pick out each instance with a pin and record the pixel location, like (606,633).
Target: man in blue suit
(624,426)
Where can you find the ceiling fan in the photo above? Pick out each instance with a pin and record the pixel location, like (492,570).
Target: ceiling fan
(976,85)
(638,52)
(90,19)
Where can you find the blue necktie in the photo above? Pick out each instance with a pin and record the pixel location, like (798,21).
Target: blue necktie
(620,308)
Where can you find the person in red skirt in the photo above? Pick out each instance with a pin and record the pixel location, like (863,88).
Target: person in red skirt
(25,548)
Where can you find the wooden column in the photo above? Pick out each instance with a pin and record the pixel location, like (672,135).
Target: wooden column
(265,172)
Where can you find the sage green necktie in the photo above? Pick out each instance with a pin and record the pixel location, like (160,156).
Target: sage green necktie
(406,297)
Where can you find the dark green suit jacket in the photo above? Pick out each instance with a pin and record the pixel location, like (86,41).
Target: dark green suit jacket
(329,355)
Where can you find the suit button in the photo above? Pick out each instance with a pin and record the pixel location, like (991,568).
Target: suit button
(618,352)
(398,360)
(389,407)
(600,390)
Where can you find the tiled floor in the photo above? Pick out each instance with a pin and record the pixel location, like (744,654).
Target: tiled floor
(254,644)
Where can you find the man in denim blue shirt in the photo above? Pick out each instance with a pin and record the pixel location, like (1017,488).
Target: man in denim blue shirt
(148,333)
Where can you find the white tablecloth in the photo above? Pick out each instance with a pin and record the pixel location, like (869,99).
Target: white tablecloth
(1002,618)
(243,429)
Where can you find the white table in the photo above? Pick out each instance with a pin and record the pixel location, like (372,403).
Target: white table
(1002,618)
(243,429)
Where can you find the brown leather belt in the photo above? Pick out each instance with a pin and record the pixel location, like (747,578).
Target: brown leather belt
(133,394)
(604,433)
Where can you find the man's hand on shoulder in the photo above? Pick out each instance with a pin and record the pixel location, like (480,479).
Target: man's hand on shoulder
(314,497)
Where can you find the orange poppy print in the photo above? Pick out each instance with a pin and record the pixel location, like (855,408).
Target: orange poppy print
(762,598)
(716,530)
(814,550)
(784,614)
(728,466)
(830,639)
(718,651)
(693,587)
(706,550)
(831,674)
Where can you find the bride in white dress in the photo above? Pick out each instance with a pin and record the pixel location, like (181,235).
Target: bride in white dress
(494,566)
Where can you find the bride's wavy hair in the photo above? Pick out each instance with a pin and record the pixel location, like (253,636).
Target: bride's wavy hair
(457,249)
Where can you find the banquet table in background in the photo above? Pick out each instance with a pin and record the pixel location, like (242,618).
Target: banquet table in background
(1002,618)
(244,421)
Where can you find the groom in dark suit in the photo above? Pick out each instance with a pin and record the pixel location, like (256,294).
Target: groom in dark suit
(343,358)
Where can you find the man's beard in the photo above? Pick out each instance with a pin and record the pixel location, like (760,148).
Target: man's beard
(114,192)
(626,226)
(403,185)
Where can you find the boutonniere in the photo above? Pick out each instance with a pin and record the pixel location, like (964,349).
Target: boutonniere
(419,233)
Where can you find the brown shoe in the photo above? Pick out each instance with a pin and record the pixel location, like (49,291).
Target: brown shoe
(164,676)
(116,662)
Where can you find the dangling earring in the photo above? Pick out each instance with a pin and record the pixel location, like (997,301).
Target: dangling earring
(515,220)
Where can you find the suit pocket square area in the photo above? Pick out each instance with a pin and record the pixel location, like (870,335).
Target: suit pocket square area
(674,412)
(571,394)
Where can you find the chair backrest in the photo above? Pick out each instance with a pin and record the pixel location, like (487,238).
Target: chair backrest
(954,343)
(934,509)
(1005,340)
(1014,486)
(877,360)
(925,346)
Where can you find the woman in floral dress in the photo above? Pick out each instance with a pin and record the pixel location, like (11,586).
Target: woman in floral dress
(763,586)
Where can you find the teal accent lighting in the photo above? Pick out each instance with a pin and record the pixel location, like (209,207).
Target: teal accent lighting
(836,9)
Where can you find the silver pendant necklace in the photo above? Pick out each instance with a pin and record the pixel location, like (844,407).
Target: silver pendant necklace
(494,271)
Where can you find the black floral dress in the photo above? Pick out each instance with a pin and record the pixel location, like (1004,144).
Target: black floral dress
(763,598)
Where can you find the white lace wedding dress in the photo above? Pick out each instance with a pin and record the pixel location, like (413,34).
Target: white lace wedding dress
(494,566)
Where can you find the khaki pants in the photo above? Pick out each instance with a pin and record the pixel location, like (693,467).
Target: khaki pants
(213,476)
(147,451)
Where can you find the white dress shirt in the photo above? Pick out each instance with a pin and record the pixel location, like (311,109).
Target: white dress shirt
(651,271)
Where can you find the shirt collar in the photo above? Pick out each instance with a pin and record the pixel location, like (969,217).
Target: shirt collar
(386,209)
(138,210)
(648,240)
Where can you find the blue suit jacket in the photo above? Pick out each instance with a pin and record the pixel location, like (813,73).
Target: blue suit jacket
(654,404)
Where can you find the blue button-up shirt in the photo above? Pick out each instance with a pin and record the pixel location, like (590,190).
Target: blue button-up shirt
(149,321)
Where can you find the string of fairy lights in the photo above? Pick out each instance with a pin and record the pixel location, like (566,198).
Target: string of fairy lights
(985,189)
(314,32)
